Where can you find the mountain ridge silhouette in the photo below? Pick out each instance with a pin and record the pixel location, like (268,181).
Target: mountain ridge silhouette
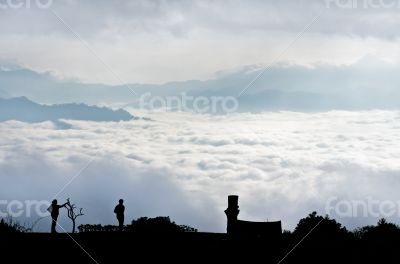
(24,110)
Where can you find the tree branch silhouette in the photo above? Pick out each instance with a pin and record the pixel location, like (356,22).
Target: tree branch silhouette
(72,214)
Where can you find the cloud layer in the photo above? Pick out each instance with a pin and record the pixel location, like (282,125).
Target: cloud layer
(173,40)
(283,165)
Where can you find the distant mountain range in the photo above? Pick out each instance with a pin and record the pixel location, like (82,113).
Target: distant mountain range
(25,110)
(366,84)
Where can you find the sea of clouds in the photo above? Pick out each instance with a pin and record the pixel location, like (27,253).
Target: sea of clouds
(283,165)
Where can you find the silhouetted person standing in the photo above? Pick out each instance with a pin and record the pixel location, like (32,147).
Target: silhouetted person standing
(119,211)
(55,211)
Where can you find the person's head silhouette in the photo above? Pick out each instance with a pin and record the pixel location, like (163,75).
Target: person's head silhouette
(54,202)
(121,201)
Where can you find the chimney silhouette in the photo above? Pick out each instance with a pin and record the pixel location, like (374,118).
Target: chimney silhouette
(232,213)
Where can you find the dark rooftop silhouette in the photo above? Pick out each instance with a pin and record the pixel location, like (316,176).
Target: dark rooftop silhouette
(240,228)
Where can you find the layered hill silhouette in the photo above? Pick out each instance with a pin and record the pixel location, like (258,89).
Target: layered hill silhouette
(323,87)
(24,110)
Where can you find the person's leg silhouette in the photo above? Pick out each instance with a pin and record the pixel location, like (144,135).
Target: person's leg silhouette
(53,224)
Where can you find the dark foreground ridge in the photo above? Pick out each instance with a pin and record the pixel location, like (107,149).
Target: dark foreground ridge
(316,239)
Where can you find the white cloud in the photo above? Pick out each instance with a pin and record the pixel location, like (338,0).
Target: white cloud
(161,41)
(283,165)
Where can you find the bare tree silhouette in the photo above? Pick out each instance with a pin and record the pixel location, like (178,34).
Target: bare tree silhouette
(72,214)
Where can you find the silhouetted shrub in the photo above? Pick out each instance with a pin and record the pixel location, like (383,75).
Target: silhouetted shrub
(379,243)
(318,225)
(316,231)
(143,225)
(187,229)
(383,230)
(97,228)
(159,224)
(11,226)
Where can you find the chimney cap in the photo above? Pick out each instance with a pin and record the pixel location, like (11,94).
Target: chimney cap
(233,201)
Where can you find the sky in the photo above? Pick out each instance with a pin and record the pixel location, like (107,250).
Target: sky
(318,118)
(158,41)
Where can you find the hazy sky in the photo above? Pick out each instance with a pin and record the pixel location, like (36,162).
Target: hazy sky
(157,41)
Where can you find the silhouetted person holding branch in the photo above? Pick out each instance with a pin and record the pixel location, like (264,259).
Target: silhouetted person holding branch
(119,212)
(54,210)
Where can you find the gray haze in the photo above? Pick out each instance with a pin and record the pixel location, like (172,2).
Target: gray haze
(367,84)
